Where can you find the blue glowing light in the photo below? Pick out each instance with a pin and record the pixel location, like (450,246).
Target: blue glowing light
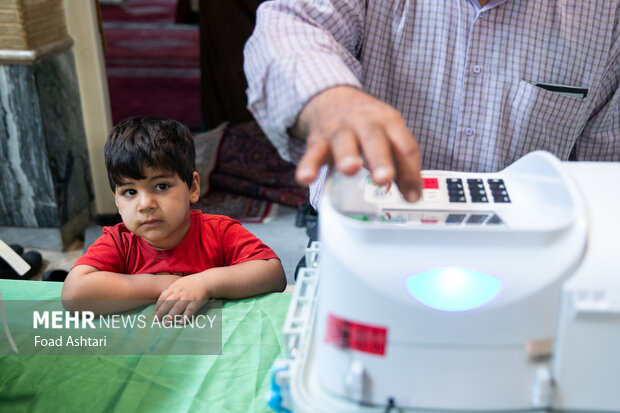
(453,288)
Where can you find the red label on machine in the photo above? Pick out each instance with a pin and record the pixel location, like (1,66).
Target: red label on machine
(355,336)
(430,183)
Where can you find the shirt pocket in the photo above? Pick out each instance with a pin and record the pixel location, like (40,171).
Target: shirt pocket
(542,120)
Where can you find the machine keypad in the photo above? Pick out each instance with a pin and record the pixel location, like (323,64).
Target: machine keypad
(455,190)
(477,190)
(498,190)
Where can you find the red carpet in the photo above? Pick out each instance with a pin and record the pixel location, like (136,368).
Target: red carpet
(153,68)
(141,11)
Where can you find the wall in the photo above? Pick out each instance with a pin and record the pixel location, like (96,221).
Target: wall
(83,27)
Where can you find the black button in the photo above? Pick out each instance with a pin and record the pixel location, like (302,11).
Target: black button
(455,218)
(476,219)
(494,220)
(454,184)
(501,199)
(479,199)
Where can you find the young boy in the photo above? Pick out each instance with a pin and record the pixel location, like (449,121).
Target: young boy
(163,250)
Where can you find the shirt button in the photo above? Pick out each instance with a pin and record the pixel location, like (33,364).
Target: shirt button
(476,69)
(469,131)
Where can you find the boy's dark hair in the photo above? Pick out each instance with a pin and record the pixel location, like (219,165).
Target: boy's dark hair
(140,142)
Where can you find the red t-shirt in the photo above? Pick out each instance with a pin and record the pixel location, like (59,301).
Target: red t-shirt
(212,241)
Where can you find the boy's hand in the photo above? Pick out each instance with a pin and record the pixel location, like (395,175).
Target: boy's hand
(164,281)
(183,297)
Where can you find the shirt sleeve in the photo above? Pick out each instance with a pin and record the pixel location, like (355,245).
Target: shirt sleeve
(298,49)
(240,245)
(105,253)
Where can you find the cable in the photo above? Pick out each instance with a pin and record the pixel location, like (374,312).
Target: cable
(391,405)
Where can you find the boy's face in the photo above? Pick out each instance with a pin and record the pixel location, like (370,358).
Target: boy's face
(157,208)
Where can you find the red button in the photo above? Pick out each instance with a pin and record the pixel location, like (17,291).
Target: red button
(430,183)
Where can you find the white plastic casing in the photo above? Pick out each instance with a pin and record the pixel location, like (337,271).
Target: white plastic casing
(475,359)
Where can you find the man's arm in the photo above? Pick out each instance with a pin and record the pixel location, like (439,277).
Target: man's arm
(87,288)
(299,62)
(247,279)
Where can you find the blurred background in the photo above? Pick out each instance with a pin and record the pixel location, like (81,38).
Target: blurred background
(70,69)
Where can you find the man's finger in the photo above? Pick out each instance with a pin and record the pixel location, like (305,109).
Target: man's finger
(377,150)
(317,154)
(345,151)
(406,154)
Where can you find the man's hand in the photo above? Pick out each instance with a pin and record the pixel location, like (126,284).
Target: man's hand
(348,127)
(183,297)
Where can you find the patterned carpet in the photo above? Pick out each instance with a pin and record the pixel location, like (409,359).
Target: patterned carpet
(243,174)
(140,11)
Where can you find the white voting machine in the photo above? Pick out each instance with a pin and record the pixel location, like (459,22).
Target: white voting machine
(495,292)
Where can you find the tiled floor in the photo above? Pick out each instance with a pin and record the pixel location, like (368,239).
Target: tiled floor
(58,260)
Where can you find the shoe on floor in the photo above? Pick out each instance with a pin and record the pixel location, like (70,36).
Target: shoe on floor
(55,275)
(33,258)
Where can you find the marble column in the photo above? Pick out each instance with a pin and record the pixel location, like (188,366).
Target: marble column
(45,184)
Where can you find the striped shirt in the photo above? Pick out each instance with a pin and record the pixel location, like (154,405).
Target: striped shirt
(464,77)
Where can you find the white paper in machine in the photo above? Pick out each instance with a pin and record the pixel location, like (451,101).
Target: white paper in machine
(496,291)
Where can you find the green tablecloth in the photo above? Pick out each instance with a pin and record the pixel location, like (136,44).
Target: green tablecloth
(235,381)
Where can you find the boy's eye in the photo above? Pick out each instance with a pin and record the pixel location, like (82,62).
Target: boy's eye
(129,192)
(162,187)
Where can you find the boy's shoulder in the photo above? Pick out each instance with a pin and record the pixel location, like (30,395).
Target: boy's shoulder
(119,233)
(119,229)
(212,218)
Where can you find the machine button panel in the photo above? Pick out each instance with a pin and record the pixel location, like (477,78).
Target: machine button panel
(498,190)
(456,193)
(477,191)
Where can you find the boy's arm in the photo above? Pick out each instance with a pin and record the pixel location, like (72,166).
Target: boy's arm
(186,295)
(87,288)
